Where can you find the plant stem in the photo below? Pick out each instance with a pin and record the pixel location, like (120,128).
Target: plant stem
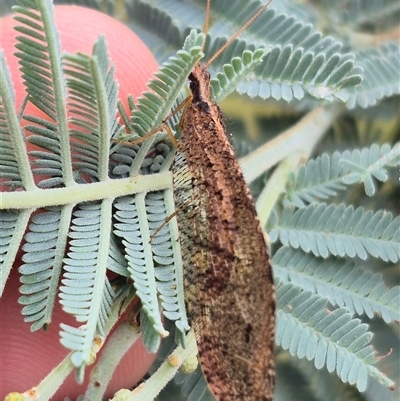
(117,345)
(299,139)
(41,198)
(151,388)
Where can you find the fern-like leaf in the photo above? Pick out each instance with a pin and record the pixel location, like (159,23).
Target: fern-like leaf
(340,231)
(152,109)
(300,59)
(116,260)
(227,81)
(40,57)
(41,270)
(333,339)
(380,72)
(39,40)
(325,176)
(90,79)
(84,282)
(292,72)
(341,282)
(106,305)
(318,179)
(12,228)
(48,161)
(116,233)
(369,164)
(15,173)
(130,212)
(168,273)
(150,262)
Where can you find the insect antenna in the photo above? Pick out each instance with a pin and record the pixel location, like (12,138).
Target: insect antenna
(206,22)
(243,28)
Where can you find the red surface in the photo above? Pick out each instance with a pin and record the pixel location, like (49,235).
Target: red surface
(79,28)
(28,357)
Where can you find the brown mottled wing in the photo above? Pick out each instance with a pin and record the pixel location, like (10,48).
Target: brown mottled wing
(228,280)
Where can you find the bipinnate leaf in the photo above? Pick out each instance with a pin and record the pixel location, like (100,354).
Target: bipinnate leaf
(340,231)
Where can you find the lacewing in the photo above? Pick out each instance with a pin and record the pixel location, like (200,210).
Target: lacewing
(228,280)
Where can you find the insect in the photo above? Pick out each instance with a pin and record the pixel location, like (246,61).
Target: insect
(228,280)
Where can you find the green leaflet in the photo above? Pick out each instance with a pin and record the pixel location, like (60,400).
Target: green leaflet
(340,231)
(331,338)
(91,101)
(323,177)
(340,281)
(300,60)
(227,81)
